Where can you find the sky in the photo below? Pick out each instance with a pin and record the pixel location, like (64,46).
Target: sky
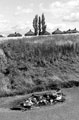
(17,15)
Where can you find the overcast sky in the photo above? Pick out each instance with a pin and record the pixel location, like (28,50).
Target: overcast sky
(17,15)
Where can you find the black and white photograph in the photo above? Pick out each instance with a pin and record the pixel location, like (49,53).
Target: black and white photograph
(39,59)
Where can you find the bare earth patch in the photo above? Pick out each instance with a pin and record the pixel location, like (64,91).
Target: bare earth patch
(65,111)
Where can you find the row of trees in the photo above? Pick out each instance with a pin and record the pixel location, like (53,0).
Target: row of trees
(39,25)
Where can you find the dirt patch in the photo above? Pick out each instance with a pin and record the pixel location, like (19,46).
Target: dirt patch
(66,111)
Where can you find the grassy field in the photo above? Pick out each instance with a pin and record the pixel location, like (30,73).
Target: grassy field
(37,64)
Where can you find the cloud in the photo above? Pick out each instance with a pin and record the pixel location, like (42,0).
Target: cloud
(21,10)
(1,15)
(31,4)
(63,10)
(59,5)
(4,23)
(51,26)
(21,27)
(27,10)
(7,26)
(73,17)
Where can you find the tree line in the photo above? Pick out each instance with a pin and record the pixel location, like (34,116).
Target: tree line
(39,25)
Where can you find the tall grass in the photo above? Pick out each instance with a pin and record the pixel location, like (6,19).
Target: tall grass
(22,50)
(26,63)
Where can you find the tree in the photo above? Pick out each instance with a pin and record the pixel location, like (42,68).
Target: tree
(43,25)
(39,24)
(35,24)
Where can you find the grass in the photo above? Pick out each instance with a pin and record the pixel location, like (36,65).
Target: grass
(39,63)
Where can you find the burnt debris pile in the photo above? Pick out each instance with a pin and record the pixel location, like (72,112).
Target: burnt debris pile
(39,100)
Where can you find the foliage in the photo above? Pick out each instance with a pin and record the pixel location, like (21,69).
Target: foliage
(35,24)
(39,24)
(43,24)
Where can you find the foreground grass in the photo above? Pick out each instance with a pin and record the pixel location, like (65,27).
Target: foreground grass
(37,64)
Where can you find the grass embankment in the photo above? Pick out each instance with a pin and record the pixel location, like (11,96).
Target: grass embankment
(39,63)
